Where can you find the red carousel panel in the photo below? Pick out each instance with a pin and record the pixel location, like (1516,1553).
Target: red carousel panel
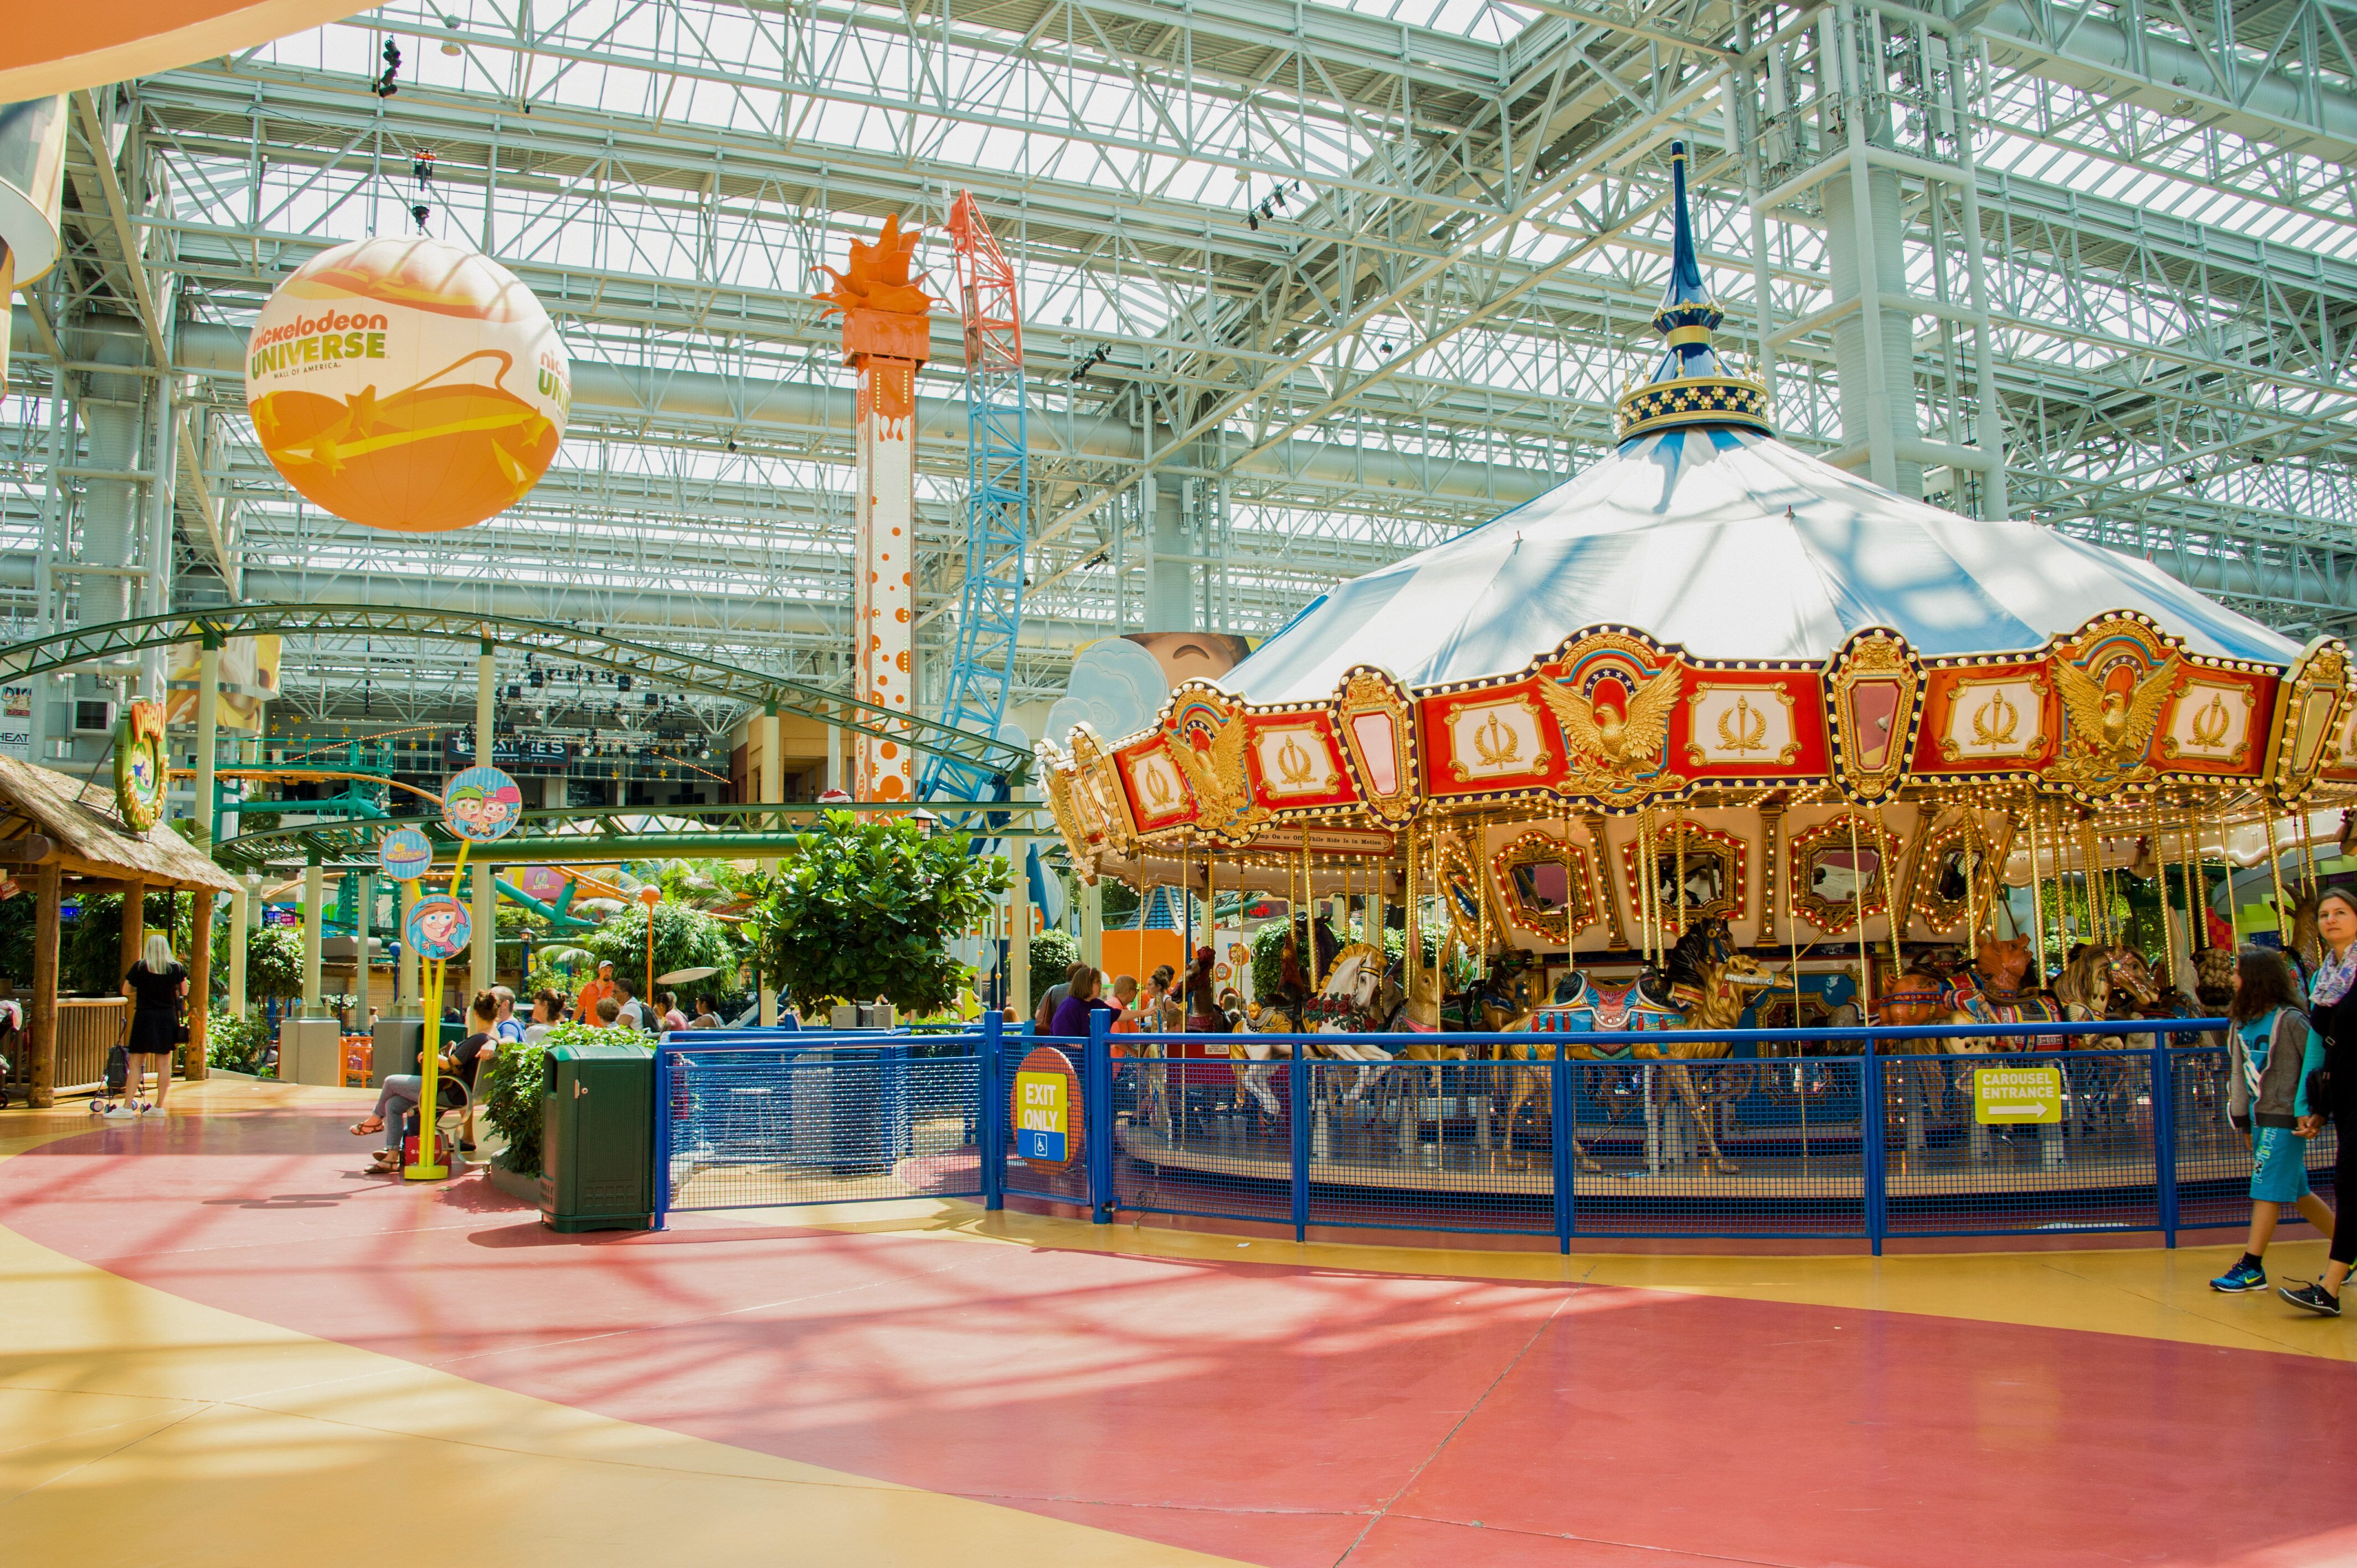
(2217,722)
(1749,723)
(1496,738)
(1988,718)
(1297,761)
(1158,796)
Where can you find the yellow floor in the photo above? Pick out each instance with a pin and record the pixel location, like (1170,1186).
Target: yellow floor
(143,1428)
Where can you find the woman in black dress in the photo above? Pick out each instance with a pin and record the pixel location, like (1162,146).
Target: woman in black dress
(156,986)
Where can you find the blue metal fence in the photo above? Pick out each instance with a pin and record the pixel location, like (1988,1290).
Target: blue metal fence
(1882,1140)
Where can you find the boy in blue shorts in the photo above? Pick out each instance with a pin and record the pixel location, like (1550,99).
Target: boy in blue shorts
(2272,1050)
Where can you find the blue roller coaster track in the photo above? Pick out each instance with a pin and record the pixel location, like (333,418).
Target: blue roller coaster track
(998,503)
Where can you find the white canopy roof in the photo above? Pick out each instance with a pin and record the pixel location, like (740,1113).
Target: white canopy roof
(1736,546)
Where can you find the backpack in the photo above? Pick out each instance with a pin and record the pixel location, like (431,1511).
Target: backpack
(118,1069)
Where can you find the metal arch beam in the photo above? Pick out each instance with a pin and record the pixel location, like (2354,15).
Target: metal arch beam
(641,661)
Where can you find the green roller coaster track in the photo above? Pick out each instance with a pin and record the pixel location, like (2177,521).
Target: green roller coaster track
(974,753)
(700,832)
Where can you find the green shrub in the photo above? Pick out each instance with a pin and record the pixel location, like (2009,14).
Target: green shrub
(508,1095)
(233,1044)
(1053,952)
(866,909)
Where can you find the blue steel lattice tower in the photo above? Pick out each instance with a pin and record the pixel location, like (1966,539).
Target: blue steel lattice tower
(998,503)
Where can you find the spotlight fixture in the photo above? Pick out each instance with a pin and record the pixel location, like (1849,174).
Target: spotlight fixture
(421,165)
(384,87)
(621,682)
(514,691)
(450,46)
(421,212)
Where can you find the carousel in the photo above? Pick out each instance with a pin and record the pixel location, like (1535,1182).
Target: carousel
(1715,734)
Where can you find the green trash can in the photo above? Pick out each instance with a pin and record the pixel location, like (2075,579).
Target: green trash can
(597,1131)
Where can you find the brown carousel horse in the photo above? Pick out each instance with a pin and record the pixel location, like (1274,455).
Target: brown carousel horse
(1707,985)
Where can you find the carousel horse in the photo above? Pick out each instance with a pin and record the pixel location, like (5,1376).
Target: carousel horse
(1923,996)
(1990,990)
(2103,981)
(1355,997)
(1707,985)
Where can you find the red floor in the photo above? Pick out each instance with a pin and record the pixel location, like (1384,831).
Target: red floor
(1278,1415)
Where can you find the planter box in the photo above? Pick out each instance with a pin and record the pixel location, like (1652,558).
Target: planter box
(524,1189)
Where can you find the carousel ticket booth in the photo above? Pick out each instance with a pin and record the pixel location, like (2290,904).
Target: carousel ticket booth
(62,839)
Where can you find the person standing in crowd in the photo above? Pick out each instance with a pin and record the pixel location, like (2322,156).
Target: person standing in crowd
(460,1064)
(1203,1014)
(2332,1094)
(510,1028)
(584,1006)
(1081,1000)
(1044,1016)
(1124,999)
(156,986)
(547,1012)
(2271,1050)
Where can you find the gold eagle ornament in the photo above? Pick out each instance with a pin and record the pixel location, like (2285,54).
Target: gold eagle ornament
(2108,731)
(1215,775)
(1620,742)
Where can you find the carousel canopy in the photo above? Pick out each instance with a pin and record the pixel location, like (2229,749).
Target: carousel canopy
(1737,546)
(1704,530)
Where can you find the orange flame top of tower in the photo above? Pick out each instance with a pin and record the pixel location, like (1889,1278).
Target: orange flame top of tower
(878,277)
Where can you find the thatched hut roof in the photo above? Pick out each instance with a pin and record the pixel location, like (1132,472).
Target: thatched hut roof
(47,817)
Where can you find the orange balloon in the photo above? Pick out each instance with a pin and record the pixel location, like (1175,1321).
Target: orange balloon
(408,384)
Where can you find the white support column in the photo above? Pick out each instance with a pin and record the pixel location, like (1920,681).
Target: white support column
(360,923)
(240,905)
(1091,903)
(208,737)
(315,894)
(773,791)
(483,958)
(1018,939)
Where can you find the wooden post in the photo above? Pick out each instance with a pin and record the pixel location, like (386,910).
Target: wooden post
(200,984)
(134,927)
(47,890)
(134,932)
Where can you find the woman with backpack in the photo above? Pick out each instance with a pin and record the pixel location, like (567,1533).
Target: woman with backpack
(2271,1050)
(156,986)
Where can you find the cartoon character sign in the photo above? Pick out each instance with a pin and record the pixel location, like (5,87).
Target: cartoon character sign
(405,855)
(482,804)
(439,928)
(140,772)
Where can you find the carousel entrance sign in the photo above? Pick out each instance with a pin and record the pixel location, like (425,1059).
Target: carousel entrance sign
(2010,1096)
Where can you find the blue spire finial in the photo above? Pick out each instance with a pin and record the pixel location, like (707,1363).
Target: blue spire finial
(1691,385)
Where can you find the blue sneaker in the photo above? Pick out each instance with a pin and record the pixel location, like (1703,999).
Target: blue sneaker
(2242,1276)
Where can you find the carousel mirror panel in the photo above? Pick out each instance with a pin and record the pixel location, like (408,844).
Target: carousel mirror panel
(1949,876)
(1541,880)
(1841,869)
(1709,862)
